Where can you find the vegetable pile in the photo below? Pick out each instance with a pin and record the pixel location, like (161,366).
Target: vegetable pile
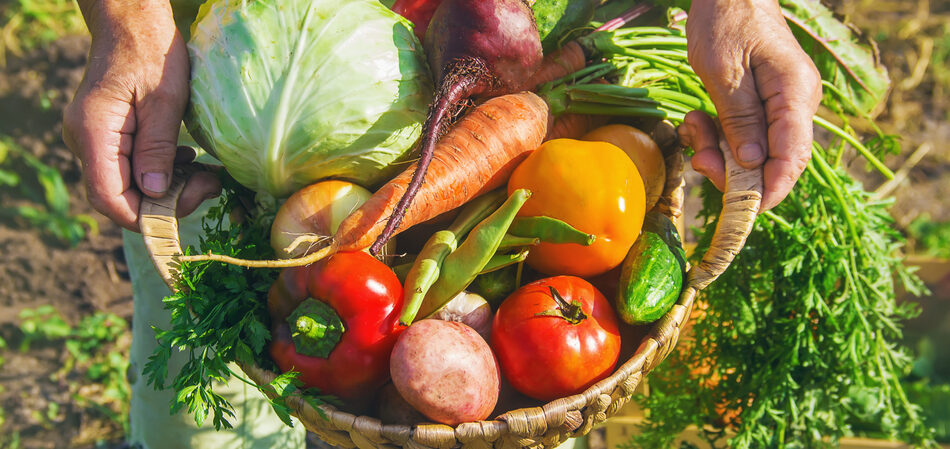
(534,248)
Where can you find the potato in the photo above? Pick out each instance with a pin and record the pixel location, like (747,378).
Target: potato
(445,370)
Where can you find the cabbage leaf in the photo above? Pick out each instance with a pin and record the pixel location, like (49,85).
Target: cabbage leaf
(287,92)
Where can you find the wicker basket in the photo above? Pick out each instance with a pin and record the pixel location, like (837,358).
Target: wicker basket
(556,421)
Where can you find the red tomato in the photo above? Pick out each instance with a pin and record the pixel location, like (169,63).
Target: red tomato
(546,347)
(367,298)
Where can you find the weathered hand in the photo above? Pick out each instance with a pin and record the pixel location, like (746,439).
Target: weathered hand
(123,122)
(764,87)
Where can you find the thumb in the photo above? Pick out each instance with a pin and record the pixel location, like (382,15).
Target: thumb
(742,116)
(158,119)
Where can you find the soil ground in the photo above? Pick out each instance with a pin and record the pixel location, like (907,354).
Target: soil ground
(93,277)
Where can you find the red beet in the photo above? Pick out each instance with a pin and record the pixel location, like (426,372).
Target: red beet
(476,48)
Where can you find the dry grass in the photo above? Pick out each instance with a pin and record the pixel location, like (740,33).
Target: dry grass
(913,37)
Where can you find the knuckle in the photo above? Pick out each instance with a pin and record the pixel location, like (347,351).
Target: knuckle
(155,148)
(793,167)
(741,118)
(153,155)
(806,78)
(799,163)
(167,91)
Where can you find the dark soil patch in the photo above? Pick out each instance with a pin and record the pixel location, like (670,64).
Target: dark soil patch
(37,396)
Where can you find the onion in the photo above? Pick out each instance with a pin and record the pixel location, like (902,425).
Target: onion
(310,216)
(468,308)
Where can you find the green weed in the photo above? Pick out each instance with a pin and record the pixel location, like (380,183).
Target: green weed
(28,178)
(31,23)
(11,441)
(930,237)
(3,345)
(91,348)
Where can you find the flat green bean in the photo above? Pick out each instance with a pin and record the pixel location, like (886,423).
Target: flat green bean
(427,266)
(499,261)
(513,241)
(461,266)
(550,230)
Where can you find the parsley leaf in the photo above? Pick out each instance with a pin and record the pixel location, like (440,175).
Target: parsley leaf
(219,316)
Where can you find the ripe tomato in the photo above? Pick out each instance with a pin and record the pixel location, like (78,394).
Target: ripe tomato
(550,347)
(593,186)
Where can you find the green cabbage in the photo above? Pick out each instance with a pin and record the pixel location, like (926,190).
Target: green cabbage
(286,92)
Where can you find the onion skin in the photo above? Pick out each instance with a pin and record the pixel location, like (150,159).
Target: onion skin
(470,309)
(316,210)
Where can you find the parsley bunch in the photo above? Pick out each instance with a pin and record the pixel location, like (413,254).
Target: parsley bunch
(219,315)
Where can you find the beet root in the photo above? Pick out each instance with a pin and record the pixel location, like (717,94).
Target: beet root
(476,48)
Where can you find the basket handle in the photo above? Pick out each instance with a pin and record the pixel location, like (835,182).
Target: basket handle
(159,224)
(740,205)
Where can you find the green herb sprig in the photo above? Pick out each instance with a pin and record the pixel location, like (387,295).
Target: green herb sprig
(219,316)
(799,335)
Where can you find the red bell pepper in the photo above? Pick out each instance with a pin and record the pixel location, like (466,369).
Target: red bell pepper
(336,322)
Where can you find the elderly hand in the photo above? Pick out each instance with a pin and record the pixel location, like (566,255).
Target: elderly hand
(123,122)
(765,89)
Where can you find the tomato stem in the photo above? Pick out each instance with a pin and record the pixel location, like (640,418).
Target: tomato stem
(568,311)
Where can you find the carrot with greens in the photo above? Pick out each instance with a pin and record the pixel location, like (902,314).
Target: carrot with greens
(565,61)
(476,49)
(573,56)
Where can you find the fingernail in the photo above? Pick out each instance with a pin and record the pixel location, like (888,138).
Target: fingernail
(155,182)
(750,152)
(212,196)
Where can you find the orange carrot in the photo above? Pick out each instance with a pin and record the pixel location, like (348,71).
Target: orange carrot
(477,155)
(565,61)
(573,126)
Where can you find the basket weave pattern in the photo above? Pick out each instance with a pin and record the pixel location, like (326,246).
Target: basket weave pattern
(556,421)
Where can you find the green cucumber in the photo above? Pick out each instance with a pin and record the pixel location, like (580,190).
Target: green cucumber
(651,276)
(559,21)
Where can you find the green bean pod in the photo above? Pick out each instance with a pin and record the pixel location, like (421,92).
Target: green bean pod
(427,266)
(499,261)
(402,270)
(550,230)
(460,268)
(512,241)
